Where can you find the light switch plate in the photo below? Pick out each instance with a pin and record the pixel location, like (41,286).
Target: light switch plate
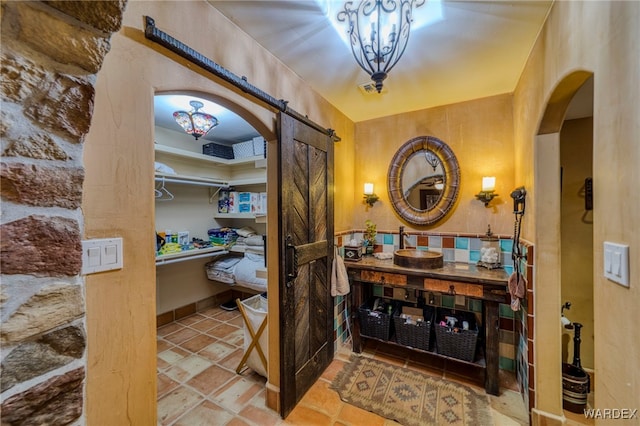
(616,263)
(100,255)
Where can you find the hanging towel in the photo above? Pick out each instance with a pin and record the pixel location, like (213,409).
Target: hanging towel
(516,290)
(339,277)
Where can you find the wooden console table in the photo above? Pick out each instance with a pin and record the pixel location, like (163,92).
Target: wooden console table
(489,286)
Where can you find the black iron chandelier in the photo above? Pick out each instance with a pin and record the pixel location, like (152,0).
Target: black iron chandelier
(378,33)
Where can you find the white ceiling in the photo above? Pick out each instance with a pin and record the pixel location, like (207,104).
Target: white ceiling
(231,128)
(477,49)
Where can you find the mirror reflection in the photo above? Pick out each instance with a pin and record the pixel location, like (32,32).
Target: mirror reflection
(423,180)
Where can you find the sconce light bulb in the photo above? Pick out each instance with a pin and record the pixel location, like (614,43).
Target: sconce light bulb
(488,183)
(370,197)
(488,190)
(368,188)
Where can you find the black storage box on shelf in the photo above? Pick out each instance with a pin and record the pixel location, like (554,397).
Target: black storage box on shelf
(375,318)
(452,339)
(412,332)
(217,150)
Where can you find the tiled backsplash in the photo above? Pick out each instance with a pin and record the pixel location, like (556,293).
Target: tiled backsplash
(464,248)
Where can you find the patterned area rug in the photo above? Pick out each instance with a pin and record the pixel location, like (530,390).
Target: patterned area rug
(409,397)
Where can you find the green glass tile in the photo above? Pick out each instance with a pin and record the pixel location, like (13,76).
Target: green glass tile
(506,245)
(507,364)
(505,311)
(462,243)
(475,305)
(448,301)
(378,291)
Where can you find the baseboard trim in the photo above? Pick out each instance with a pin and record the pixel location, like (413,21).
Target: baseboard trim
(542,418)
(210,302)
(273,397)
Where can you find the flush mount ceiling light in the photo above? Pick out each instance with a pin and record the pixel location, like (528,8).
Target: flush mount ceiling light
(195,123)
(378,33)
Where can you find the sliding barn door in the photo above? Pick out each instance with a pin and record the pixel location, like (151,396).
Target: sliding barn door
(306,253)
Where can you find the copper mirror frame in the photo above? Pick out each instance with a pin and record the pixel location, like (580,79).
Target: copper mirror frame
(451,182)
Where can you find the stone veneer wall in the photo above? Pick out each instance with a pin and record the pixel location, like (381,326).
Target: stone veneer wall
(51,52)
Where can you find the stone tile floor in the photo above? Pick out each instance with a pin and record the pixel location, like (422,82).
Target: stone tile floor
(198,385)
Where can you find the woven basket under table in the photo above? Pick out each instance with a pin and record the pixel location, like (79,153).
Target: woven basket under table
(414,335)
(374,323)
(460,344)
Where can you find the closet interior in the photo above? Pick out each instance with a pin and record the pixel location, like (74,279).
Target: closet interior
(210,208)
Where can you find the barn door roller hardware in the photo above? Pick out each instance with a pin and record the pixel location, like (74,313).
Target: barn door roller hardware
(152,33)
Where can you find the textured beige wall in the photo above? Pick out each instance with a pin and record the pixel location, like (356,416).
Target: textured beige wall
(118,198)
(480,133)
(598,37)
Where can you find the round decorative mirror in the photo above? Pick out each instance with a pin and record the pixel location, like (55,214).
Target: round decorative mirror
(424,179)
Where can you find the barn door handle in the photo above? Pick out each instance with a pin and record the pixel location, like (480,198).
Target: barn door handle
(292,263)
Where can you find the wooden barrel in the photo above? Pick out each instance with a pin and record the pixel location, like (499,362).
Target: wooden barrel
(575,388)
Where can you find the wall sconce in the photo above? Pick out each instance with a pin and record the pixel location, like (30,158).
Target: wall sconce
(488,187)
(369,196)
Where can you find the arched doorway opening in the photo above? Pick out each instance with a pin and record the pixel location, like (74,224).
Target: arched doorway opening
(555,267)
(200,345)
